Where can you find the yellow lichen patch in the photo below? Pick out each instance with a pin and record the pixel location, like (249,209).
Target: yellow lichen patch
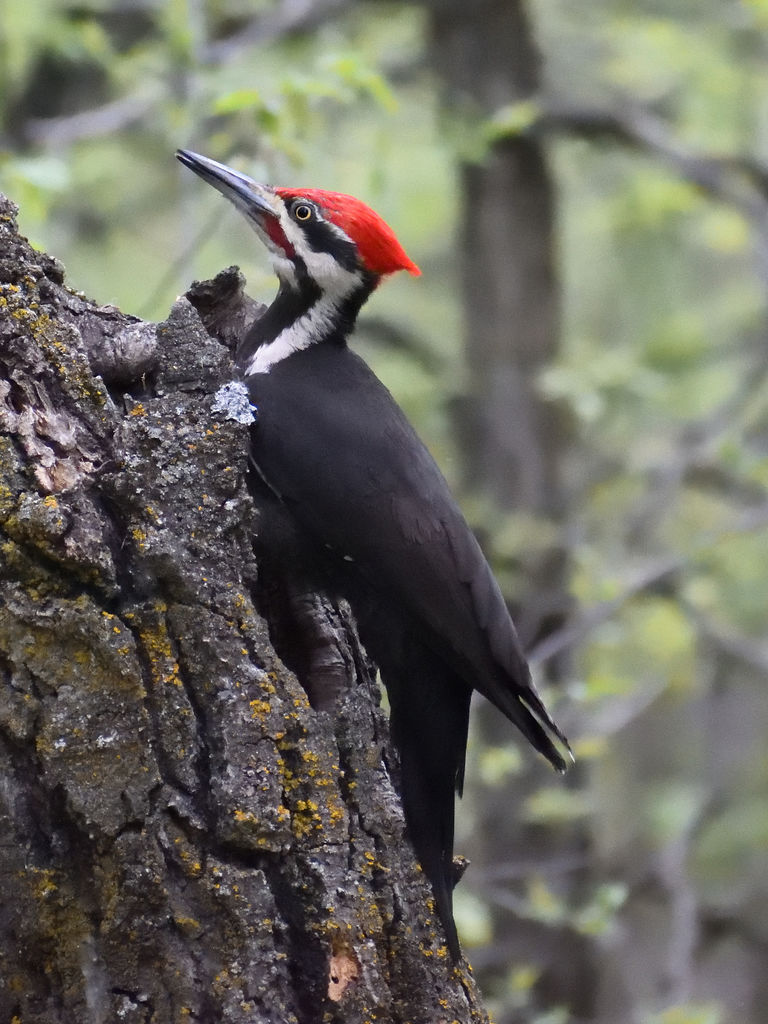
(140,536)
(156,641)
(192,866)
(38,324)
(305,820)
(306,805)
(335,811)
(43,884)
(245,816)
(290,782)
(24,308)
(309,757)
(371,864)
(187,925)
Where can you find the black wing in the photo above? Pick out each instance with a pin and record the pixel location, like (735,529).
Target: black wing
(335,446)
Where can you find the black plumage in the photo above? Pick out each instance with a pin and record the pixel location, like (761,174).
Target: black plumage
(429,610)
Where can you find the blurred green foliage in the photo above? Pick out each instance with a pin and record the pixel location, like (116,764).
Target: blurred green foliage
(662,372)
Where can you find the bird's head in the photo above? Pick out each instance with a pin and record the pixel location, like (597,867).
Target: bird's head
(335,240)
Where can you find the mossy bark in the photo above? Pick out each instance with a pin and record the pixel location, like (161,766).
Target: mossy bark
(182,837)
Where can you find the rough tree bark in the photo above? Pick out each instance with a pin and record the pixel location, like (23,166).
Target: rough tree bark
(182,837)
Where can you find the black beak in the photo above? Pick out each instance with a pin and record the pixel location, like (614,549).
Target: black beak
(254,200)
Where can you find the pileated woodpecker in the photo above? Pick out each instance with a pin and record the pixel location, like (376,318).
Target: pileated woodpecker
(338,452)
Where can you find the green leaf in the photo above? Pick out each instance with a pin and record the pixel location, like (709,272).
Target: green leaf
(672,809)
(689,1013)
(238,99)
(511,120)
(598,916)
(555,805)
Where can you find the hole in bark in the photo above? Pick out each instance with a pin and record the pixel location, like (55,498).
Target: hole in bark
(343,971)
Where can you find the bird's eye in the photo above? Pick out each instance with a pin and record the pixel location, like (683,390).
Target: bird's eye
(302,211)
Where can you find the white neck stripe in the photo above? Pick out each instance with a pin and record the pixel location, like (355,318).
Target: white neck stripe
(335,283)
(312,327)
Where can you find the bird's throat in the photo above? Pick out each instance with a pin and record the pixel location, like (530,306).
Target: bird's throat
(298,318)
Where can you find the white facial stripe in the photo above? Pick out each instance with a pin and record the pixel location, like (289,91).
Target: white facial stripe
(292,231)
(333,279)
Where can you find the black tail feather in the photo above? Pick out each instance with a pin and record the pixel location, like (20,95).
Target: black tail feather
(430,715)
(525,709)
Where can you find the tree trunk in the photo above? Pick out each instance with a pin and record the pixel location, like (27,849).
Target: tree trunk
(183,836)
(513,442)
(512,438)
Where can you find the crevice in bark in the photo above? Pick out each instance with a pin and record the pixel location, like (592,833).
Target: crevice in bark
(307,957)
(197,781)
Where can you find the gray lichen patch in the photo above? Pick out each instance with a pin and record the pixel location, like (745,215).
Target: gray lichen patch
(232,401)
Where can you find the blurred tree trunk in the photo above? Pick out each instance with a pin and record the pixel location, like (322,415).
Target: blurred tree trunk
(513,441)
(183,836)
